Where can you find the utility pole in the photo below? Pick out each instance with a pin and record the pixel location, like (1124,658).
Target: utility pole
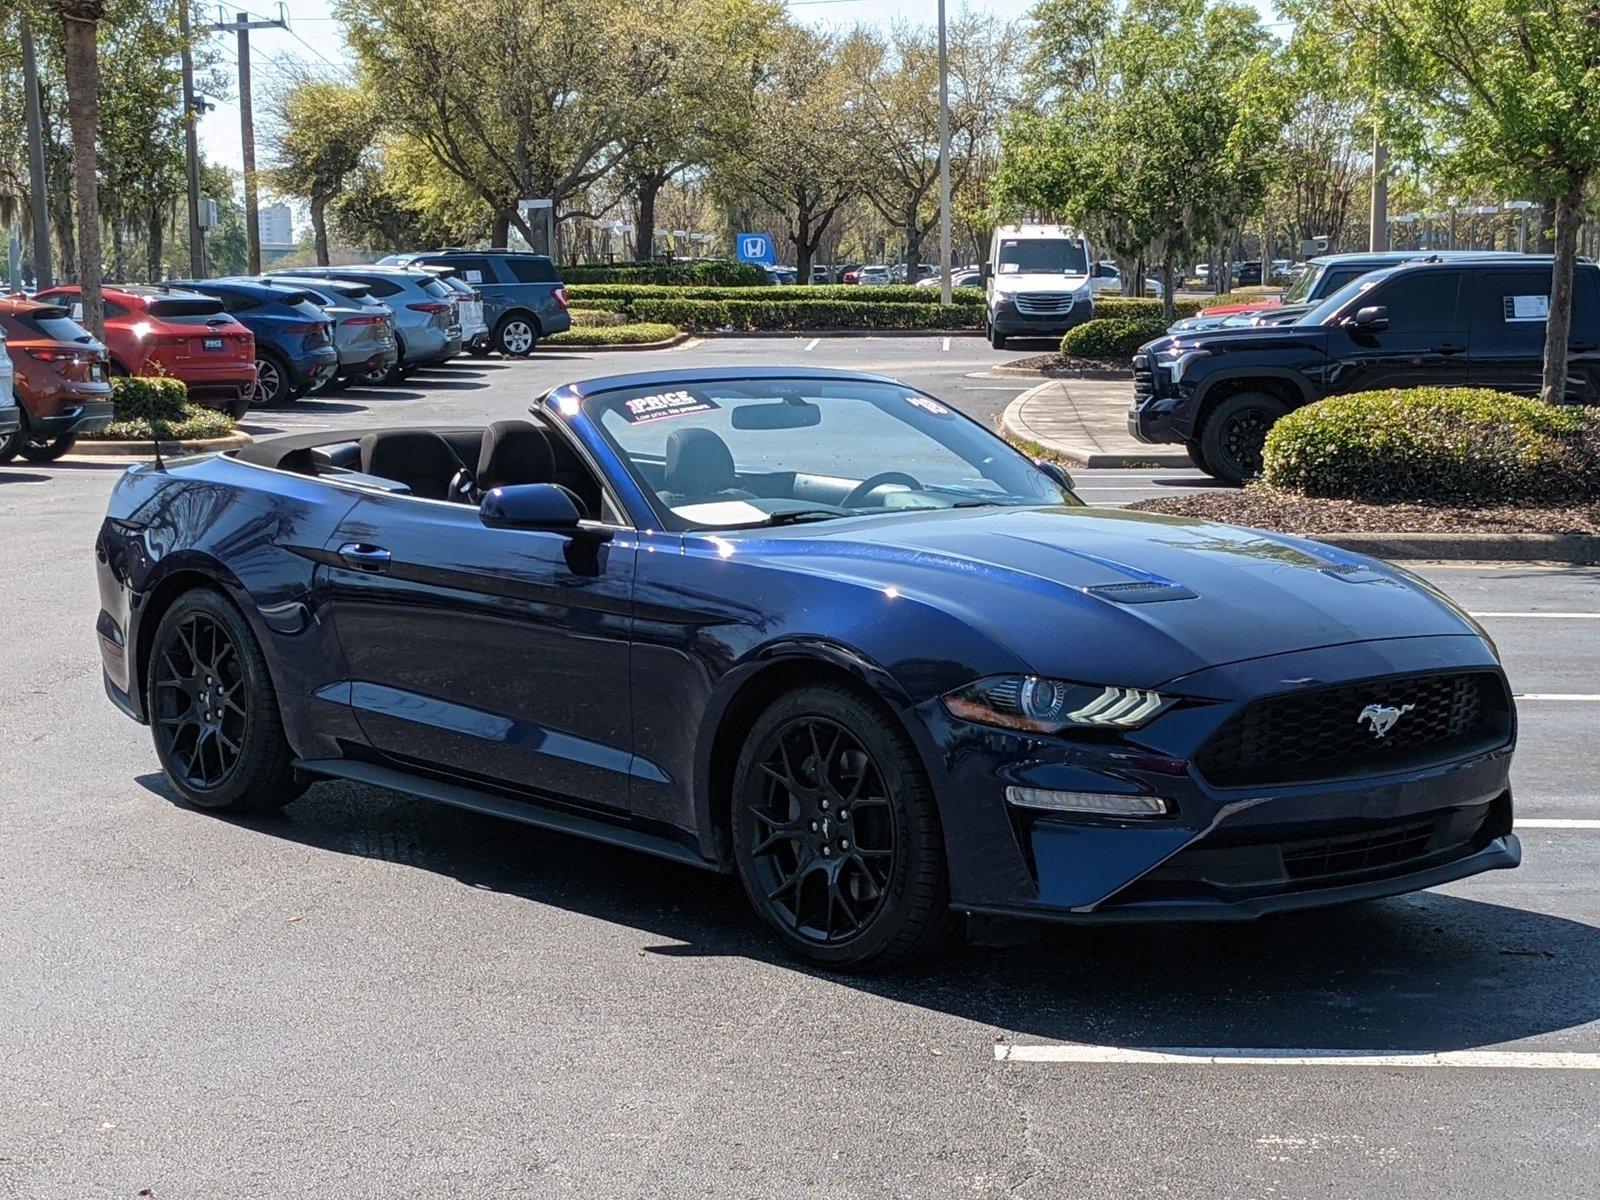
(944,163)
(1378,234)
(242,25)
(43,274)
(191,148)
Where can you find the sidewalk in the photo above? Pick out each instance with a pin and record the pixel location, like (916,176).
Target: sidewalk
(1085,421)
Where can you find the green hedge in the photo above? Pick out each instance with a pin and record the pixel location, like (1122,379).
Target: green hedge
(806,314)
(1440,445)
(1129,307)
(590,318)
(613,335)
(583,294)
(1111,338)
(1242,296)
(142,397)
(191,424)
(591,305)
(717,273)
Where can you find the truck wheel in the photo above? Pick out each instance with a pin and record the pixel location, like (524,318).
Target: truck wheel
(516,335)
(1234,433)
(996,338)
(1198,459)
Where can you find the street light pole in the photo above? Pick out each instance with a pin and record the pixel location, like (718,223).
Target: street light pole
(242,24)
(38,195)
(191,148)
(944,163)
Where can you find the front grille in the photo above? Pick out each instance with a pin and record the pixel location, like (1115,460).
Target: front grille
(1321,734)
(1358,852)
(1144,379)
(1044,304)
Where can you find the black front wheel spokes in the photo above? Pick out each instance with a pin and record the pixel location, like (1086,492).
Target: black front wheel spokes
(198,701)
(822,842)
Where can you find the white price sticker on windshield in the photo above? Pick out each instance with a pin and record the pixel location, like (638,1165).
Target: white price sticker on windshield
(666,404)
(928,406)
(1527,308)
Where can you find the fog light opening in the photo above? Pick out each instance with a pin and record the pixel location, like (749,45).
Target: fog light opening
(1101,804)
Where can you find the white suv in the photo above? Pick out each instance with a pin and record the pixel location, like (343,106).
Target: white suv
(1036,282)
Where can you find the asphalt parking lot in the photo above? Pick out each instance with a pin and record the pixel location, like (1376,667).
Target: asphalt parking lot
(369,996)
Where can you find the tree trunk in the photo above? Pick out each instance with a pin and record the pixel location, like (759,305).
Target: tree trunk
(913,246)
(1558,327)
(83,115)
(1547,220)
(319,228)
(804,242)
(157,241)
(1169,309)
(644,238)
(500,233)
(119,266)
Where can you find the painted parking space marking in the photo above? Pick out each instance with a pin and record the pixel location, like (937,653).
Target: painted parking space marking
(1556,823)
(947,344)
(812,344)
(1579,697)
(1549,616)
(1220,1056)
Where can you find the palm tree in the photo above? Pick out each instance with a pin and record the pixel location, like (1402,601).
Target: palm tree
(81,19)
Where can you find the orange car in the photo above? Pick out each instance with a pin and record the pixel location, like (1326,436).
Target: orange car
(59,379)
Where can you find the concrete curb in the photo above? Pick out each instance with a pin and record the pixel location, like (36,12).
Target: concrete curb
(1015,426)
(1107,375)
(833,333)
(89,448)
(1577,549)
(614,347)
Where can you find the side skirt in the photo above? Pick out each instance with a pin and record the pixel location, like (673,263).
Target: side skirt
(526,812)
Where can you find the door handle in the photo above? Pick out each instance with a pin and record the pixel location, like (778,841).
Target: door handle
(1448,348)
(359,556)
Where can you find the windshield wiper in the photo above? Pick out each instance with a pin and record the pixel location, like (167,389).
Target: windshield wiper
(797,515)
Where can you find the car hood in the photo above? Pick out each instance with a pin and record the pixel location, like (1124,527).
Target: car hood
(1110,596)
(1039,282)
(1228,310)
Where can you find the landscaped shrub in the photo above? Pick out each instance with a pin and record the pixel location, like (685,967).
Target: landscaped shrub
(1131,307)
(192,423)
(141,397)
(593,305)
(593,293)
(1241,296)
(806,314)
(591,318)
(613,335)
(1113,339)
(1442,445)
(716,272)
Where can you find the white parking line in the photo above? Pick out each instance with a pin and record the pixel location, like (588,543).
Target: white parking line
(812,344)
(1554,616)
(947,344)
(1548,1060)
(1585,697)
(1556,823)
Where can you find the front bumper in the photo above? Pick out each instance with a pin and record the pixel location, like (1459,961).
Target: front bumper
(89,417)
(1010,321)
(1223,853)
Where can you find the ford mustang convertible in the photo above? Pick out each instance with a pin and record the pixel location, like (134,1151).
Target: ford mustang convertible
(819,629)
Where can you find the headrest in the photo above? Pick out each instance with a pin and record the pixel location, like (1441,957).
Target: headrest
(699,463)
(418,458)
(514,452)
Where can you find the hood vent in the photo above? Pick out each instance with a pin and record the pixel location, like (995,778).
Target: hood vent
(1141,591)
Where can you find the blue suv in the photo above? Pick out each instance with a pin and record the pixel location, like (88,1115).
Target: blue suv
(294,337)
(523,299)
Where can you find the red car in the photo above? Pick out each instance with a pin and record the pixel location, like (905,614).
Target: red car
(165,331)
(60,379)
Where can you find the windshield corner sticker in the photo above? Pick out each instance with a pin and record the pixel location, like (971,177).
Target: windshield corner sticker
(664,404)
(928,406)
(1527,308)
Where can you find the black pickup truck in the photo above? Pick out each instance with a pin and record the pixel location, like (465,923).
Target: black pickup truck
(1437,323)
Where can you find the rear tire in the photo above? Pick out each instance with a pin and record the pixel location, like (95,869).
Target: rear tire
(1234,433)
(822,767)
(213,711)
(273,386)
(516,335)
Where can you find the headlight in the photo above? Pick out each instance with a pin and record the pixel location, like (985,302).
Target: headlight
(1178,361)
(1051,705)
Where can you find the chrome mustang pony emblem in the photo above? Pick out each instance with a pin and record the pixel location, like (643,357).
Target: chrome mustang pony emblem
(1381,717)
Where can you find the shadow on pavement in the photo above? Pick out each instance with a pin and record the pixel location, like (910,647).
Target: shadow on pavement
(1428,972)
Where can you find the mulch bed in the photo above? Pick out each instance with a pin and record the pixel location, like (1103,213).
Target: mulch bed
(1290,513)
(1066,366)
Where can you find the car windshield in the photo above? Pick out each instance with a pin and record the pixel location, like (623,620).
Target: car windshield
(1321,314)
(1301,287)
(1042,256)
(726,453)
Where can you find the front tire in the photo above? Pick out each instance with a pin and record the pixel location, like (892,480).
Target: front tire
(1234,434)
(996,338)
(213,711)
(1195,457)
(516,335)
(836,834)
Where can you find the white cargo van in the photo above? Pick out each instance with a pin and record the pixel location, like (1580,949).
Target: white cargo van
(1036,282)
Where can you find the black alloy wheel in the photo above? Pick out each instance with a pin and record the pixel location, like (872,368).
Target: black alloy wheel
(1235,433)
(212,710)
(273,384)
(836,837)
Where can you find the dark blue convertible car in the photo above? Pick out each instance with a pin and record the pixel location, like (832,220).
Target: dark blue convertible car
(820,629)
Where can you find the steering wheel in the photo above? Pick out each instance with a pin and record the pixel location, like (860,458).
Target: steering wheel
(867,486)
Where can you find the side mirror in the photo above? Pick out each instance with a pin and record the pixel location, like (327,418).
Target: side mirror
(1055,472)
(1374,318)
(530,506)
(987,271)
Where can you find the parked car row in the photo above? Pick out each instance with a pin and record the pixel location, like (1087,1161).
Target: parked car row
(1409,319)
(266,339)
